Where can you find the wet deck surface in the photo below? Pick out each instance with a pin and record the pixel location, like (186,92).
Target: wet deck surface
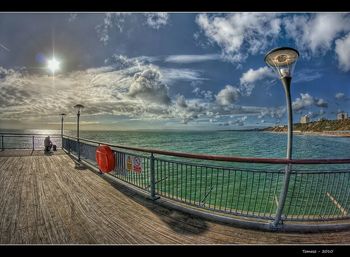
(45,200)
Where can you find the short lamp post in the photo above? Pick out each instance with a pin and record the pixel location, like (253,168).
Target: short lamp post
(78,107)
(62,117)
(282,60)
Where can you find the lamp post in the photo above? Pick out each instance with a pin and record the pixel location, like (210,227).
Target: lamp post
(78,107)
(282,60)
(62,115)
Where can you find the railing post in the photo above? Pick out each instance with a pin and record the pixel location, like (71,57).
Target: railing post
(152,178)
(33,142)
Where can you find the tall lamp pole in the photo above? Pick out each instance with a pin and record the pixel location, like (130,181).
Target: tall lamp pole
(62,115)
(78,107)
(282,60)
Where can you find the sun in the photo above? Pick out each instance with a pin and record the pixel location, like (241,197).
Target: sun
(53,65)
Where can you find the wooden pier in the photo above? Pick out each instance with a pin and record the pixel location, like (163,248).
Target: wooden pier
(44,199)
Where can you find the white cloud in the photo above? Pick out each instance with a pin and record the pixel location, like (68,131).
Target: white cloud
(169,75)
(110,21)
(306,75)
(240,34)
(339,96)
(316,33)
(147,86)
(321,103)
(191,58)
(157,20)
(342,49)
(306,100)
(249,78)
(228,95)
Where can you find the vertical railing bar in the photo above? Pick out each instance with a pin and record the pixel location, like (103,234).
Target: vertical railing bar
(152,177)
(200,185)
(186,181)
(173,175)
(251,193)
(195,185)
(245,192)
(269,195)
(2,142)
(222,188)
(228,188)
(170,180)
(33,142)
(177,181)
(166,178)
(273,191)
(348,194)
(233,191)
(316,178)
(309,194)
(239,192)
(337,195)
(326,201)
(257,193)
(330,207)
(321,195)
(181,182)
(211,187)
(295,196)
(190,197)
(216,187)
(263,195)
(206,183)
(341,200)
(302,211)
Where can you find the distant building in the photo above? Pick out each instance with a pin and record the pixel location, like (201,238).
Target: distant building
(305,119)
(342,116)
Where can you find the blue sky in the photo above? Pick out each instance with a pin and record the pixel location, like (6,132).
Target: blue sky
(169,70)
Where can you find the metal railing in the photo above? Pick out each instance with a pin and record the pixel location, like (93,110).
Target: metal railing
(237,186)
(27,141)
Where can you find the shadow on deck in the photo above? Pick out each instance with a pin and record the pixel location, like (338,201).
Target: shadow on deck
(45,200)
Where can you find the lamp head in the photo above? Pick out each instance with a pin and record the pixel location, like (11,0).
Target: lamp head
(282,60)
(78,107)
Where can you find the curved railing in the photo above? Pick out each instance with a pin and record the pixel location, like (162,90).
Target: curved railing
(318,190)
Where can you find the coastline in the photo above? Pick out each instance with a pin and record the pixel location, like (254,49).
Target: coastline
(313,133)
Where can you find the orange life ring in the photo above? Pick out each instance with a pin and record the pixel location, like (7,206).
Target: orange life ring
(105,158)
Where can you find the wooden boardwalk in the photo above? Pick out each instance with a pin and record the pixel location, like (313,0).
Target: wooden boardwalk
(45,200)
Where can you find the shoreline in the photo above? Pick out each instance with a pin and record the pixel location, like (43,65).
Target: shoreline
(312,133)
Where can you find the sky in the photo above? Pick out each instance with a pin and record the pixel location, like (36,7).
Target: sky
(183,71)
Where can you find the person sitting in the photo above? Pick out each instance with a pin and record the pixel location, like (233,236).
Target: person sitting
(47,144)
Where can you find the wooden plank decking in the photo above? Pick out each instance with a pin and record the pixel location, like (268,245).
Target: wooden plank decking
(45,200)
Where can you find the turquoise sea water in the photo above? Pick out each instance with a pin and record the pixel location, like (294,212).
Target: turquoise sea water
(237,187)
(232,143)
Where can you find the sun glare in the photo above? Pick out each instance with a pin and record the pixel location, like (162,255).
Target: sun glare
(53,65)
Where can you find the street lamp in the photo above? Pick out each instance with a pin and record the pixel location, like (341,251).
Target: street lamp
(78,107)
(62,115)
(282,60)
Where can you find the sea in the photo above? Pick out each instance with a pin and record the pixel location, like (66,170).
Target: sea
(235,186)
(229,142)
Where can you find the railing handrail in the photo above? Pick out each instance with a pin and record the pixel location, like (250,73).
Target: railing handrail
(221,157)
(28,134)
